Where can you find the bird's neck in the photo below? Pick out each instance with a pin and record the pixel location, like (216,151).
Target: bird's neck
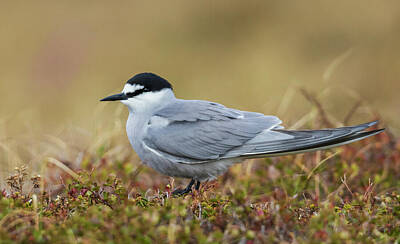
(141,109)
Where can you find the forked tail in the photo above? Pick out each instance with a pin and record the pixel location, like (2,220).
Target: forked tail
(299,141)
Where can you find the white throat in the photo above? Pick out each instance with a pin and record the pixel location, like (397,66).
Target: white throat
(149,102)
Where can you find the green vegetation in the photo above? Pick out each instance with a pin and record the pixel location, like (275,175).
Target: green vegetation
(58,58)
(353,196)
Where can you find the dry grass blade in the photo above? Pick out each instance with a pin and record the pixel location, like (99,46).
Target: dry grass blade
(287,98)
(303,120)
(321,163)
(11,154)
(335,63)
(63,167)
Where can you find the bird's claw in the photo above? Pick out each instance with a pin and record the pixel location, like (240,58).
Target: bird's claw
(181,192)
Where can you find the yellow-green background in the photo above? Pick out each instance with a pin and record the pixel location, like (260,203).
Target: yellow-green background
(58,58)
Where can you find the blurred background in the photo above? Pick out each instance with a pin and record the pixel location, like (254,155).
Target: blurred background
(58,58)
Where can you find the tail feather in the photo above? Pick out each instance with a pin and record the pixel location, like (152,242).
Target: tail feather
(307,140)
(357,137)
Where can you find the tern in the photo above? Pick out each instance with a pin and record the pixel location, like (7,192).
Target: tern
(200,140)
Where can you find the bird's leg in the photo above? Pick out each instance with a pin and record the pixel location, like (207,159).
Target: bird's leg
(197,187)
(184,191)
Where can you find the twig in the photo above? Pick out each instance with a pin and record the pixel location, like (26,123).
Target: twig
(313,100)
(35,208)
(351,112)
(343,179)
(369,190)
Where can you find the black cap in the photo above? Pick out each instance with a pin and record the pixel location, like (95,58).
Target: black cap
(150,81)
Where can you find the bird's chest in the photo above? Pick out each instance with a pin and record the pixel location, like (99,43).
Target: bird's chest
(136,128)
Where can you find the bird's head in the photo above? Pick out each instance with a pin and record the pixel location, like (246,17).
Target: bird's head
(144,91)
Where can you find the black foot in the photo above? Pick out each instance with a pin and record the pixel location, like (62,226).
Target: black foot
(181,192)
(197,187)
(188,189)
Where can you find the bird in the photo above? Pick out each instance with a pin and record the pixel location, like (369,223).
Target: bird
(199,140)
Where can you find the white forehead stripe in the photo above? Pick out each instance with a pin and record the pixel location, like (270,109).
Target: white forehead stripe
(128,88)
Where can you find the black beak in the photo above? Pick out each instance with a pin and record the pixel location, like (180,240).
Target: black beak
(115,97)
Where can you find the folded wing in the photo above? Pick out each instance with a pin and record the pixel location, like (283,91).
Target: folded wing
(203,131)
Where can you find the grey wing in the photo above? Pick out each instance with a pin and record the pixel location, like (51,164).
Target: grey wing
(203,131)
(196,110)
(200,131)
